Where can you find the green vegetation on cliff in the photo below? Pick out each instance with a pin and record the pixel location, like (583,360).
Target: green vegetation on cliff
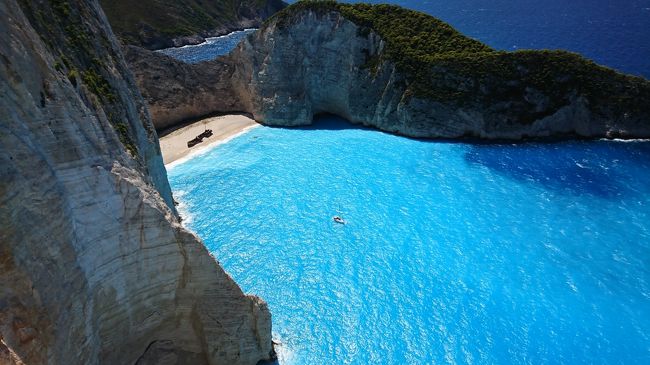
(60,25)
(410,34)
(151,22)
(440,63)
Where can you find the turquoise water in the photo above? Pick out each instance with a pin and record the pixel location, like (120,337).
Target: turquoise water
(453,252)
(615,33)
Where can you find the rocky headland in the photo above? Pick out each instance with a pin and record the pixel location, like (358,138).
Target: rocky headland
(176,91)
(94,264)
(400,71)
(156,24)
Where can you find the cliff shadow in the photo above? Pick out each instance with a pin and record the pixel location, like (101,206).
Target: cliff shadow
(332,122)
(189,121)
(601,169)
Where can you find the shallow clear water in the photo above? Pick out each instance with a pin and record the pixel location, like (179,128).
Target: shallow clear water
(208,50)
(453,252)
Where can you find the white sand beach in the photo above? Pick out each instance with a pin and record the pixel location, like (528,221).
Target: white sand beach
(174,144)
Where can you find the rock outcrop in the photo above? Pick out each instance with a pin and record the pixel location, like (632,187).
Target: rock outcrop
(176,91)
(156,24)
(403,72)
(94,265)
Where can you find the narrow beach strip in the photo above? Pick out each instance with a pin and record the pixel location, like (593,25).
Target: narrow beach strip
(224,128)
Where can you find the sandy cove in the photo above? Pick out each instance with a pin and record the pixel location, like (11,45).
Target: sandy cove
(173,144)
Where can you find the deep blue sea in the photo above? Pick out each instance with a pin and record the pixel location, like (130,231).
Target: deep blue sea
(614,33)
(208,50)
(452,253)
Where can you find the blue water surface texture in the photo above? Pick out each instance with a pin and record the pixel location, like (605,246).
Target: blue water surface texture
(208,50)
(615,33)
(452,252)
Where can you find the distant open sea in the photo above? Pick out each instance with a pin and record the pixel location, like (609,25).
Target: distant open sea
(614,33)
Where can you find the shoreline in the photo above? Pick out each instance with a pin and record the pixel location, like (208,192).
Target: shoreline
(202,37)
(206,40)
(173,145)
(173,142)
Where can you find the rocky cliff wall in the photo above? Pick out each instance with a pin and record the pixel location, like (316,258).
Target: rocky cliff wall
(322,62)
(176,91)
(314,60)
(156,24)
(94,265)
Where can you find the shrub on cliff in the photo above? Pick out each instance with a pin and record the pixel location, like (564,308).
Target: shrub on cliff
(440,63)
(142,22)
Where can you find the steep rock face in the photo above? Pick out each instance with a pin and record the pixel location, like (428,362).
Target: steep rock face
(320,61)
(176,91)
(316,66)
(323,57)
(94,265)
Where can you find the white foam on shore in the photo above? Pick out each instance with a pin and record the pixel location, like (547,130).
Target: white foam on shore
(285,355)
(634,140)
(182,208)
(214,39)
(208,147)
(208,40)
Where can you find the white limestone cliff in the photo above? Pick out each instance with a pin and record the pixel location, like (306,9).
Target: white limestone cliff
(318,62)
(94,265)
(307,60)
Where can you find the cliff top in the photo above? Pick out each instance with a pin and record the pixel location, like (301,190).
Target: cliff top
(136,22)
(423,47)
(412,33)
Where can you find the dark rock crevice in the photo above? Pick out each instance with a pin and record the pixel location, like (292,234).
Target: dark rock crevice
(320,57)
(94,264)
(170,23)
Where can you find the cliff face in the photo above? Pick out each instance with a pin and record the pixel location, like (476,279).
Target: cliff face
(170,23)
(288,75)
(94,265)
(403,72)
(176,91)
(314,61)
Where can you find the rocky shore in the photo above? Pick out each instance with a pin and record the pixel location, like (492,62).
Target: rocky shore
(157,24)
(177,92)
(194,39)
(356,61)
(94,264)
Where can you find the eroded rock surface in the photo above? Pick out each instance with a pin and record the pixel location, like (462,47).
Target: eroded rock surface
(156,24)
(176,91)
(320,62)
(313,59)
(94,265)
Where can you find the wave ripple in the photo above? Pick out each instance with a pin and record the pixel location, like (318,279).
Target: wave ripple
(453,252)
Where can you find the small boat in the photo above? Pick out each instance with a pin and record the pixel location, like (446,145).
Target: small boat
(338,219)
(206,134)
(194,142)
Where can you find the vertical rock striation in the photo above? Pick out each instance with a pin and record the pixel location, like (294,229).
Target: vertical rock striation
(400,71)
(94,265)
(176,91)
(324,57)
